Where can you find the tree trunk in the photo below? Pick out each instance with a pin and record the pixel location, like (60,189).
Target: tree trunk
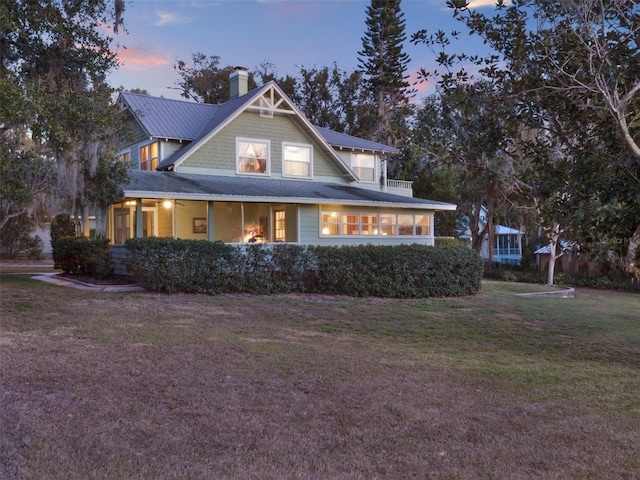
(631,265)
(491,235)
(554,239)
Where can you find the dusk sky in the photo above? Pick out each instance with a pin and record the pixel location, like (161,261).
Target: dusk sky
(287,34)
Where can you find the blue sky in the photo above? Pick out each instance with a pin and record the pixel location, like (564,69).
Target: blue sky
(287,34)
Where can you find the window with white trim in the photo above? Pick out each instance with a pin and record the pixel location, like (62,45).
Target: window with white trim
(385,224)
(280,225)
(350,224)
(364,166)
(296,160)
(330,223)
(405,225)
(423,225)
(125,157)
(149,156)
(253,156)
(369,224)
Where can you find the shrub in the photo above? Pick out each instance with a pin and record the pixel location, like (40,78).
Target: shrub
(84,256)
(170,265)
(61,227)
(400,271)
(16,238)
(292,267)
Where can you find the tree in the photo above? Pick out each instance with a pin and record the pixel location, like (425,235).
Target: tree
(568,71)
(54,61)
(463,137)
(203,80)
(384,64)
(27,181)
(336,99)
(328,96)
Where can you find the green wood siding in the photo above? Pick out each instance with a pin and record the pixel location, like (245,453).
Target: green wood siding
(134,133)
(219,153)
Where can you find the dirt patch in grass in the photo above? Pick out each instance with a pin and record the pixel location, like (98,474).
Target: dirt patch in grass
(108,385)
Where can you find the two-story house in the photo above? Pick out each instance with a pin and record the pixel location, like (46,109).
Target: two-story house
(254,169)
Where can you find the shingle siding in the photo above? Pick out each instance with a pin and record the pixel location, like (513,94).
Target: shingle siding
(219,153)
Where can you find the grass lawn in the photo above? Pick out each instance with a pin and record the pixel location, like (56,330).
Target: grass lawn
(150,386)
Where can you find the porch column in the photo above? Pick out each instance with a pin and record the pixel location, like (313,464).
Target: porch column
(210,232)
(139,225)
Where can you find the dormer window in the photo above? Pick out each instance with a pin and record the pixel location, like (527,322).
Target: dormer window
(253,156)
(296,159)
(364,166)
(149,156)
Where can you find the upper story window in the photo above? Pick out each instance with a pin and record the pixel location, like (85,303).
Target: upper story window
(125,157)
(364,166)
(296,160)
(149,156)
(253,156)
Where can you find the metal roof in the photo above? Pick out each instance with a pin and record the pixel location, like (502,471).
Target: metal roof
(174,185)
(502,230)
(186,120)
(168,118)
(337,139)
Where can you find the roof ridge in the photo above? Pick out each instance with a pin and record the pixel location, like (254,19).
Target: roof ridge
(166,99)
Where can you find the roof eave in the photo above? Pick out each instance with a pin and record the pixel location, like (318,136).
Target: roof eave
(279,199)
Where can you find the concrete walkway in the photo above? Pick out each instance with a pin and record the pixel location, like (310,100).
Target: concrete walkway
(68,282)
(564,292)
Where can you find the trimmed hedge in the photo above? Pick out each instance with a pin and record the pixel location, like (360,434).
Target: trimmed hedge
(197,266)
(404,271)
(84,256)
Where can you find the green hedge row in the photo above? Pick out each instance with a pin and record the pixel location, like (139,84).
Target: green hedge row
(405,271)
(83,256)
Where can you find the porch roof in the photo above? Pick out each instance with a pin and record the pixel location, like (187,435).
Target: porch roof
(182,186)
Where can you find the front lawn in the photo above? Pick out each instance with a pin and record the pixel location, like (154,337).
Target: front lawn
(144,385)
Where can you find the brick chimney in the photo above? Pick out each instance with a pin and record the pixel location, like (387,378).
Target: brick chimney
(238,82)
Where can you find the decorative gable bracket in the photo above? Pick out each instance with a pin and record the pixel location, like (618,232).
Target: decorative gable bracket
(271,102)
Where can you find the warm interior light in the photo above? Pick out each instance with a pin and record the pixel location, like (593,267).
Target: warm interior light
(375,231)
(167,204)
(325,230)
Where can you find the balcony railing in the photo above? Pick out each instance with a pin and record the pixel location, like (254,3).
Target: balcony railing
(402,184)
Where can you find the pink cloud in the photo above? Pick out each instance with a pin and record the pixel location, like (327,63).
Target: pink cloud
(420,85)
(141,58)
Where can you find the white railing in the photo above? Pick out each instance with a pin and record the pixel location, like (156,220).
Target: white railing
(403,184)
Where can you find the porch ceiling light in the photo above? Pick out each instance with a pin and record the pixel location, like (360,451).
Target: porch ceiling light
(167,204)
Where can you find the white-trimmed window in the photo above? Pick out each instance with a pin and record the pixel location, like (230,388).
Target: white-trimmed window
(369,224)
(280,225)
(386,224)
(405,225)
(364,166)
(149,156)
(125,157)
(423,225)
(330,223)
(350,224)
(253,156)
(296,160)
